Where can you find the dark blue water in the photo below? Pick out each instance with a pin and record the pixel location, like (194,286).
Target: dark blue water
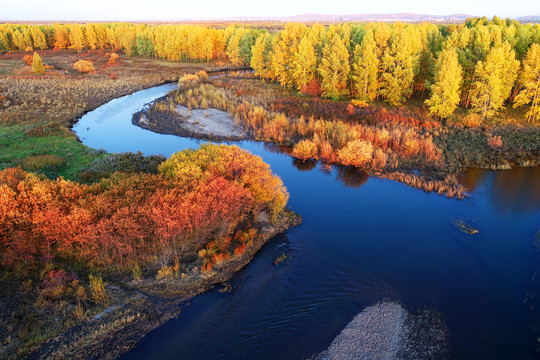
(362,240)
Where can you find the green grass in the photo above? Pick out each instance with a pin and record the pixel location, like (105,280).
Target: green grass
(16,146)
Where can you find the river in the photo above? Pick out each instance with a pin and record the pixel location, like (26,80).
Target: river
(363,240)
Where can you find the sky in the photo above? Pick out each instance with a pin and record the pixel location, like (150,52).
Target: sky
(155,10)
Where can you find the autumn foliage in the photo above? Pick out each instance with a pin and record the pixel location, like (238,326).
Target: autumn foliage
(143,219)
(305,149)
(37,64)
(28,59)
(83,66)
(113,58)
(372,138)
(479,65)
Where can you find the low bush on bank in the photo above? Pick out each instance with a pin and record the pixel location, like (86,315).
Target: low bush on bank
(84,66)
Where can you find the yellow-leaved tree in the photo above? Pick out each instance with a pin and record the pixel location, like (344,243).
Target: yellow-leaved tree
(530,80)
(365,68)
(304,63)
(261,56)
(91,36)
(38,37)
(37,64)
(334,68)
(285,45)
(61,36)
(445,92)
(494,80)
(76,37)
(233,47)
(398,65)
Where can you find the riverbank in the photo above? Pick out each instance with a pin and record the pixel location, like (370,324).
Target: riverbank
(146,304)
(401,144)
(143,237)
(204,124)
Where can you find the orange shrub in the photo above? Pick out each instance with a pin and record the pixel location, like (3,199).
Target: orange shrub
(304,150)
(312,88)
(379,159)
(83,66)
(241,249)
(472,120)
(28,59)
(112,59)
(409,143)
(202,75)
(276,128)
(356,153)
(494,141)
(188,80)
(326,152)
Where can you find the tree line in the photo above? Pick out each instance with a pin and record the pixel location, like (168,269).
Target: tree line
(480,65)
(171,42)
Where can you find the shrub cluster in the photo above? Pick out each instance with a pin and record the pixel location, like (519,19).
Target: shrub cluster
(135,219)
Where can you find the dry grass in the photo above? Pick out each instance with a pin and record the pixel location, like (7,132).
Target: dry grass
(41,162)
(63,94)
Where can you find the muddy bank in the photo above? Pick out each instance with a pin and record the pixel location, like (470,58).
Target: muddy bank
(208,124)
(149,303)
(386,331)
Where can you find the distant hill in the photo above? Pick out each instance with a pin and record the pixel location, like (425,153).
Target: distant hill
(529,19)
(406,17)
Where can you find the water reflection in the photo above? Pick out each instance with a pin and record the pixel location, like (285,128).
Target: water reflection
(351,177)
(306,165)
(510,191)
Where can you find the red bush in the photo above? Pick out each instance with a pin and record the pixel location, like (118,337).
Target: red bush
(136,218)
(312,88)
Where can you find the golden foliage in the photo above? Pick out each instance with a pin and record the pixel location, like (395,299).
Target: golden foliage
(84,66)
(305,150)
(37,64)
(356,153)
(97,289)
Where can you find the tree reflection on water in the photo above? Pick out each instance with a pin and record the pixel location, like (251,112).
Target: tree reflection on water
(516,190)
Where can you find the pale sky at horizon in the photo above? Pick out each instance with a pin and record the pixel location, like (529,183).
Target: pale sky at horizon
(170,10)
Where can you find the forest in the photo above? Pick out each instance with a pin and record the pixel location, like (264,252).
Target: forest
(482,65)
